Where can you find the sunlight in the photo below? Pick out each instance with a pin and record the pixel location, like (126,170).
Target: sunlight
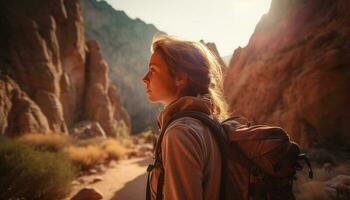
(228,23)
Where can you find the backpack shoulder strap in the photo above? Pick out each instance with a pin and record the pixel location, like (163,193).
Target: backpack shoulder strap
(219,135)
(158,161)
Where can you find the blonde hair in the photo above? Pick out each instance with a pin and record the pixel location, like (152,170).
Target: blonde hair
(199,64)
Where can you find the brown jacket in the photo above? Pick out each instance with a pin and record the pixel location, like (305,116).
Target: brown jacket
(191,158)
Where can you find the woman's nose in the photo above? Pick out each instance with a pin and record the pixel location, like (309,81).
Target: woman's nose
(145,78)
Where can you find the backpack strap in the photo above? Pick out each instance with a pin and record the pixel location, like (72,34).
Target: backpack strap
(148,188)
(220,137)
(158,162)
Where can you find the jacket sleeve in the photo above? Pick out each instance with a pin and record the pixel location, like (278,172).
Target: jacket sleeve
(182,154)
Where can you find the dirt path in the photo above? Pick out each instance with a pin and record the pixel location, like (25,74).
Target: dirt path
(125,181)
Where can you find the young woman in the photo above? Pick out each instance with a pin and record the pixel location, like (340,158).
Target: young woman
(183,76)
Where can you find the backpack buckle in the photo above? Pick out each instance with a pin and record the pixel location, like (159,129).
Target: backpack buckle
(306,159)
(150,168)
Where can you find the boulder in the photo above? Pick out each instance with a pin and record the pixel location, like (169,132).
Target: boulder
(87,129)
(88,194)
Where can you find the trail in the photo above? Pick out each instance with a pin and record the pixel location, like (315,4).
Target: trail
(125,181)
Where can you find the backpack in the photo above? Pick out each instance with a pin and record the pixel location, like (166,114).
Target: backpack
(259,162)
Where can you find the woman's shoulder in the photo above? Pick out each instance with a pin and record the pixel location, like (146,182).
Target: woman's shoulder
(187,128)
(187,123)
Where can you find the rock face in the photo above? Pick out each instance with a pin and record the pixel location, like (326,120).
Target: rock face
(19,114)
(295,71)
(43,49)
(212,47)
(102,102)
(125,44)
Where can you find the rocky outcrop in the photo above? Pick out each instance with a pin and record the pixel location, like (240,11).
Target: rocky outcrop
(42,48)
(30,49)
(125,44)
(212,47)
(18,113)
(102,103)
(295,72)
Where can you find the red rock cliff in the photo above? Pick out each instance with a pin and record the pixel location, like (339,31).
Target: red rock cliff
(295,71)
(43,49)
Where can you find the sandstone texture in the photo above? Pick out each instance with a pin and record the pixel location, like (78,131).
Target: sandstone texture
(295,72)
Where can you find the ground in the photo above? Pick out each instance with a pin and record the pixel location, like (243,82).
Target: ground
(125,180)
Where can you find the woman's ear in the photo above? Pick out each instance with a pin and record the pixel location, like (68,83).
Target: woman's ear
(181,80)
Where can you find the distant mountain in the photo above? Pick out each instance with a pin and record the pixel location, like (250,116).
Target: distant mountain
(125,44)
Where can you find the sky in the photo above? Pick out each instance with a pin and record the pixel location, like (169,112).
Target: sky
(227,23)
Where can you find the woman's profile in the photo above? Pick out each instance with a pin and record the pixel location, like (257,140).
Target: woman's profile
(185,76)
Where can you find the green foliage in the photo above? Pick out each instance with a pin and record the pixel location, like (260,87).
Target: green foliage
(46,142)
(26,173)
(122,129)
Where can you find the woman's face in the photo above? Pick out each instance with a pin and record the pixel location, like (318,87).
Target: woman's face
(160,84)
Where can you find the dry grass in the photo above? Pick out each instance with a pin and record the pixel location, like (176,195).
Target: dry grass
(88,153)
(88,142)
(83,153)
(51,142)
(146,137)
(86,157)
(114,149)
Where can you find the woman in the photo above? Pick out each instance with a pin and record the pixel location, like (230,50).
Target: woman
(183,76)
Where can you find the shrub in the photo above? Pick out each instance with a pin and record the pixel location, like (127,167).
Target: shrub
(86,157)
(48,142)
(147,137)
(122,129)
(88,142)
(29,174)
(113,149)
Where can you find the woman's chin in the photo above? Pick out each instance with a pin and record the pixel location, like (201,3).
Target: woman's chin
(151,99)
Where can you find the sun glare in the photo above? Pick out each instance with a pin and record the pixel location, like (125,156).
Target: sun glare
(227,23)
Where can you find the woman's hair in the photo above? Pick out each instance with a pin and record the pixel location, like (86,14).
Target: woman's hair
(199,64)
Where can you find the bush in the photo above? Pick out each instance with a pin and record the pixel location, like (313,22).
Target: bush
(87,153)
(29,174)
(147,137)
(122,129)
(88,142)
(83,153)
(113,149)
(48,142)
(86,157)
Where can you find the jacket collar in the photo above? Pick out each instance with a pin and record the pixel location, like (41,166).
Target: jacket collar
(186,103)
